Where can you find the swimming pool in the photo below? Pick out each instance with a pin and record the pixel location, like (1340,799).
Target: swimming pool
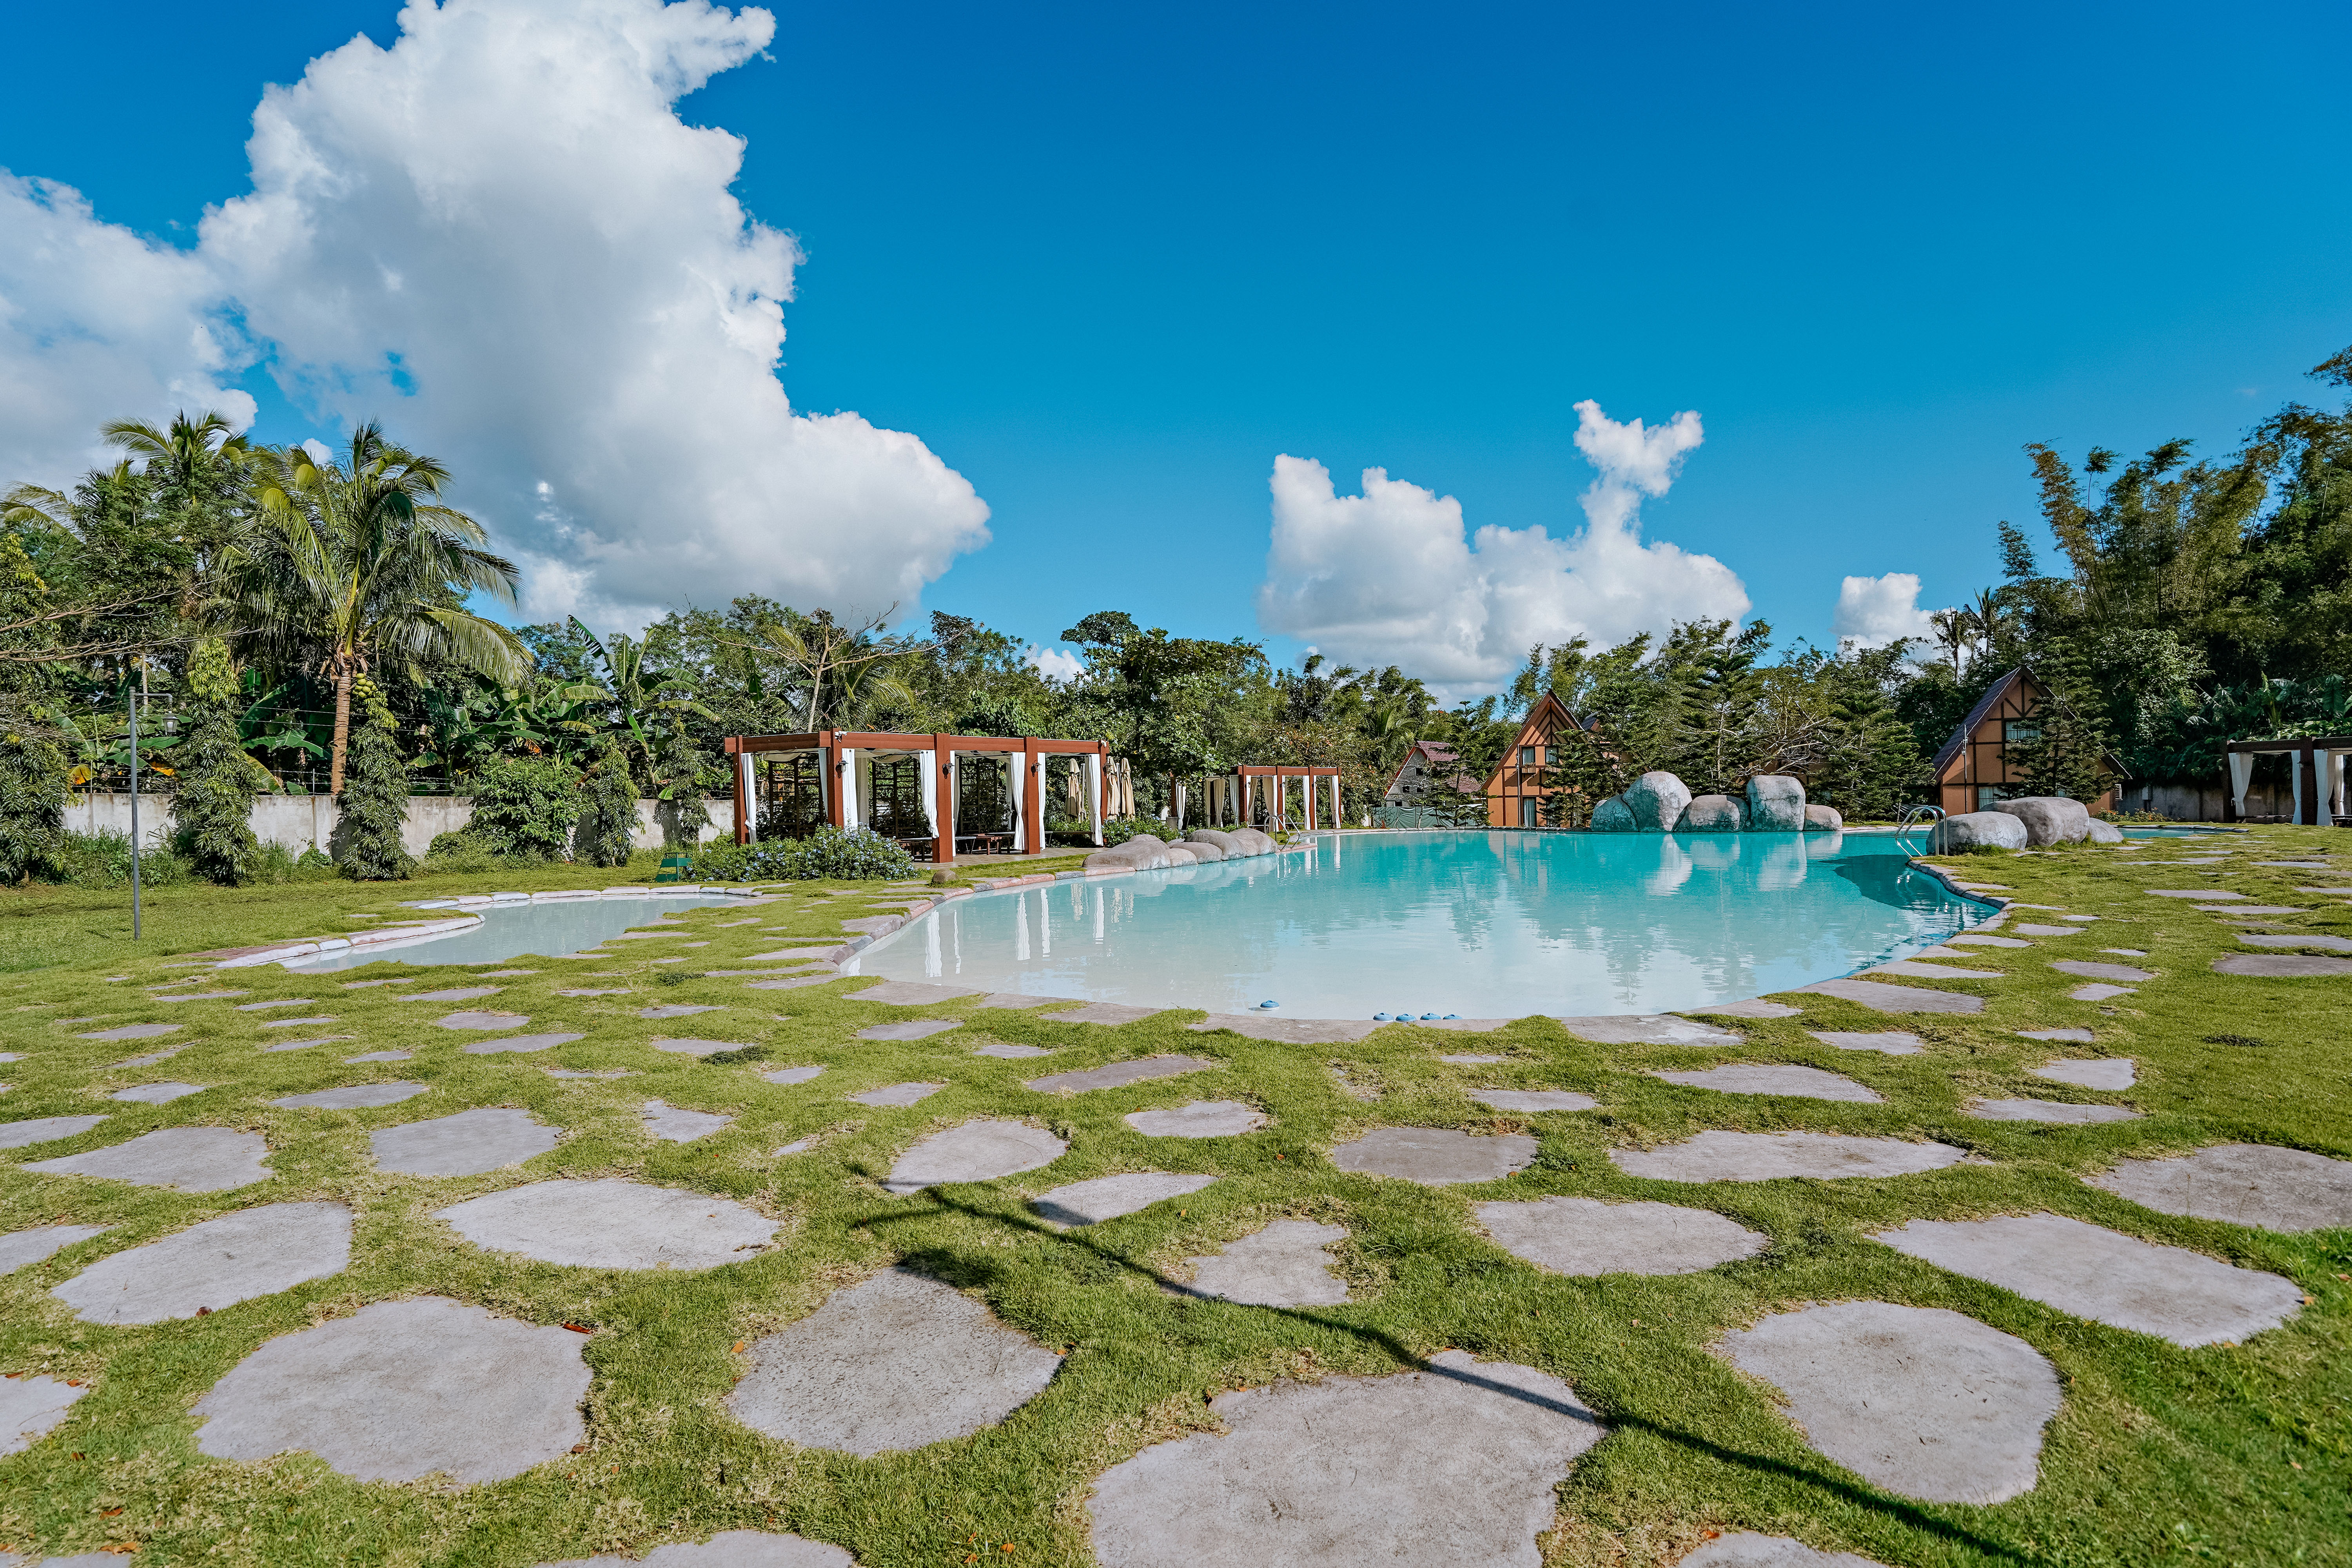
(548,928)
(1480,924)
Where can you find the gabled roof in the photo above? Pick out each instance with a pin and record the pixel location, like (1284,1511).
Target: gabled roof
(1438,752)
(1985,704)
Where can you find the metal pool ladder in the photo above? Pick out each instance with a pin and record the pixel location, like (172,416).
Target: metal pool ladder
(1917,815)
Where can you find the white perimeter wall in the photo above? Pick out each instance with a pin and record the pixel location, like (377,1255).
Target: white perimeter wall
(308,821)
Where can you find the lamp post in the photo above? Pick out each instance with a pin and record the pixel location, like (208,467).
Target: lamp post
(136,692)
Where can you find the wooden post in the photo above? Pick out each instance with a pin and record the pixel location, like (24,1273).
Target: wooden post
(833,780)
(1032,797)
(943,791)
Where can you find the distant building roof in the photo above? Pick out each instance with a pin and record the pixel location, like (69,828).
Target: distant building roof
(1985,704)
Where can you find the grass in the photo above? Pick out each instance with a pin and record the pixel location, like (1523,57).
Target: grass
(2227,1455)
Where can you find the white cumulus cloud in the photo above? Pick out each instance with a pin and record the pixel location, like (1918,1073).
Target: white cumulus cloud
(1394,576)
(1873,611)
(499,236)
(1053,663)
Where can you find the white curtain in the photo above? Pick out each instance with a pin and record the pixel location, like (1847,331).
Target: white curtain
(1095,792)
(747,773)
(853,794)
(930,762)
(2336,783)
(1016,770)
(2294,769)
(2242,775)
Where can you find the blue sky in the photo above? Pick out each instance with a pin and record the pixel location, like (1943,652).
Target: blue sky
(1108,265)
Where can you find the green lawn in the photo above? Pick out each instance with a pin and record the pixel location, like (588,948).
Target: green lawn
(2228,1454)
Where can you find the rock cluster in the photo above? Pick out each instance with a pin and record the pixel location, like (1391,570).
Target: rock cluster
(1198,848)
(2034,822)
(1661,803)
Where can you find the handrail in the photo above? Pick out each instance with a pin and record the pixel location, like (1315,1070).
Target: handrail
(1912,814)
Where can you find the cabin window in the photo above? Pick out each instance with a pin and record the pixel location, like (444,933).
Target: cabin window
(1987,797)
(1526,757)
(1527,814)
(2016,730)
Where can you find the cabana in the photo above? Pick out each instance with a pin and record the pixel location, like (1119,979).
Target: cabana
(938,794)
(1277,777)
(2318,771)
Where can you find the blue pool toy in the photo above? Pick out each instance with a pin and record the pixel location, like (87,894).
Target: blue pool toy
(1379,1017)
(1265,1004)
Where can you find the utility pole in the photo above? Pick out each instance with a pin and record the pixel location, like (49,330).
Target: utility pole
(136,693)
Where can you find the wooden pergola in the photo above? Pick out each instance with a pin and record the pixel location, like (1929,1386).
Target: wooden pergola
(2317,769)
(907,787)
(1278,776)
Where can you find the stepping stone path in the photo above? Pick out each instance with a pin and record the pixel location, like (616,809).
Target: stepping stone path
(465,1144)
(729,1548)
(483,1021)
(2072,1037)
(910,993)
(29,1406)
(1797,1083)
(1284,1264)
(687,1046)
(456,994)
(2108,1073)
(1473,1059)
(43,1129)
(2282,965)
(517,1043)
(674,1010)
(1584,1236)
(791,1075)
(612,1224)
(1110,1013)
(1918,1401)
(900,1362)
(1881,997)
(131,1032)
(2047,930)
(909,1029)
(2257,1185)
(1116,1074)
(673,1125)
(2052,1111)
(401,1389)
(190,1159)
(1534,1102)
(979,1151)
(898,1094)
(1201,1118)
(358,1096)
(1744,1549)
(2089,1272)
(2328,943)
(1649,1029)
(207,1267)
(1454,1464)
(1433,1156)
(1107,1197)
(2100,992)
(1718,1156)
(157,1093)
(1887,1042)
(1005,1052)
(22,1248)
(2090,971)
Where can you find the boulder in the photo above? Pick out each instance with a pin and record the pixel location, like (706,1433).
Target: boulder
(1657,801)
(1823,819)
(2104,833)
(1253,842)
(1202,850)
(1712,813)
(2050,819)
(1228,845)
(1110,860)
(1183,854)
(1613,815)
(1976,830)
(1776,803)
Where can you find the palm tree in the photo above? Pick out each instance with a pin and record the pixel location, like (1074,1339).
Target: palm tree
(644,698)
(845,672)
(1953,629)
(1988,618)
(353,565)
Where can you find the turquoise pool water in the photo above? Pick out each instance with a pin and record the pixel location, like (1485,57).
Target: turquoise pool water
(1480,924)
(520,930)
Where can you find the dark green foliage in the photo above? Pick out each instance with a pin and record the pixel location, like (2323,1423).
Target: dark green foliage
(828,853)
(103,859)
(523,809)
(1119,829)
(374,801)
(676,786)
(608,809)
(212,807)
(33,841)
(738,1057)
(2068,754)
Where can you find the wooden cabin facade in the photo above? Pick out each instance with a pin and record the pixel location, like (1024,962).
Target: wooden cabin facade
(1972,770)
(1516,789)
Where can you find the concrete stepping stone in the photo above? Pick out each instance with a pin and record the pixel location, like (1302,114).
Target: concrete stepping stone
(2108,1073)
(517,1043)
(1904,969)
(674,1010)
(2282,965)
(1534,1102)
(686,1046)
(2239,912)
(2092,971)
(299,1022)
(1292,1031)
(1917,1401)
(483,1021)
(190,1159)
(1745,1549)
(1456,1464)
(2295,865)
(2087,1271)
(1650,1029)
(465,1144)
(30,1406)
(1284,1264)
(1003,1052)
(43,1129)
(909,1029)
(2068,1037)
(910,993)
(157,1093)
(214,1264)
(1201,1118)
(454,994)
(978,1150)
(401,1389)
(12,1055)
(358,1096)
(1720,1156)
(1014,999)
(729,1548)
(1140,1071)
(1881,997)
(1473,1059)
(379,1057)
(675,1124)
(900,1362)
(1756,1007)
(2050,1111)
(612,1224)
(791,1075)
(1796,1082)
(1109,1013)
(2099,991)
(1435,1156)
(2256,1184)
(1886,1042)
(2127,951)
(797,1146)
(898,1094)
(2047,930)
(2328,943)
(20,1249)
(1107,1197)
(1980,938)
(1584,1236)
(131,1032)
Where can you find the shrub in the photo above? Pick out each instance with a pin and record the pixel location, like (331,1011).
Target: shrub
(212,809)
(1119,829)
(103,859)
(677,766)
(375,798)
(608,815)
(855,856)
(459,851)
(523,809)
(33,838)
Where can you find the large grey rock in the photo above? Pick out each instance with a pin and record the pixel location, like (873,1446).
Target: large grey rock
(1976,830)
(897,1094)
(612,1224)
(402,1389)
(1613,815)
(2088,970)
(1745,1549)
(1227,845)
(2098,832)
(1881,997)
(1534,1102)
(465,1144)
(1776,803)
(1201,851)
(729,1548)
(1586,1236)
(1886,1042)
(1433,1156)
(156,1093)
(1453,1465)
(2108,1073)
(1657,801)
(2050,819)
(1649,1029)
(358,1096)
(1825,819)
(900,1362)
(2282,966)
(2090,1272)
(675,1124)
(207,1267)
(190,1159)
(979,1151)
(30,1406)
(1255,842)
(1713,814)
(131,1032)
(1719,1156)
(1801,1083)
(20,1247)
(1917,1401)
(1116,1074)
(1107,1197)
(1284,1264)
(1201,1118)
(45,1130)
(2256,1184)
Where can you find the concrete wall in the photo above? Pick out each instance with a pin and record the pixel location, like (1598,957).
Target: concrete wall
(308,821)
(2202,802)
